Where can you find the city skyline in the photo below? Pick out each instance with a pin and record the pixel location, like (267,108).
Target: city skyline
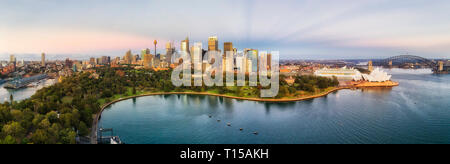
(298,29)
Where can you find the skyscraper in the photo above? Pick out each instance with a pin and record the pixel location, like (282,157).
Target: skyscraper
(241,63)
(228,48)
(12,59)
(155,43)
(128,57)
(43,59)
(156,60)
(213,43)
(197,51)
(145,51)
(106,60)
(265,61)
(134,59)
(92,61)
(185,45)
(115,61)
(252,59)
(148,60)
(169,52)
(98,61)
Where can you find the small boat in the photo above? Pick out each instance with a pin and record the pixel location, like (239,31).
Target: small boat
(209,116)
(241,129)
(218,120)
(228,124)
(255,133)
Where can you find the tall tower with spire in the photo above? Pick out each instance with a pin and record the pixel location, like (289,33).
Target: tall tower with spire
(155,43)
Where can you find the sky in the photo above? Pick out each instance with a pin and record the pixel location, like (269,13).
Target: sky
(298,29)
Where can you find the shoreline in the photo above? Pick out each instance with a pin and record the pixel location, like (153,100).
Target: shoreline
(376,84)
(97,118)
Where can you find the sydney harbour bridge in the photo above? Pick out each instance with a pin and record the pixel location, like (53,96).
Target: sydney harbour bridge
(412,61)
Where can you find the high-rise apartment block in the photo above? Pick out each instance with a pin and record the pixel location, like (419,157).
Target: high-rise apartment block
(213,43)
(43,59)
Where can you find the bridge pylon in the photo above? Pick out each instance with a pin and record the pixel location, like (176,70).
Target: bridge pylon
(370,65)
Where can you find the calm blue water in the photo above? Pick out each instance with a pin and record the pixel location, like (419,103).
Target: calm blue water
(417,111)
(23,93)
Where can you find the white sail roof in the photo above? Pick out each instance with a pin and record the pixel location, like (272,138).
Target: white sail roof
(377,75)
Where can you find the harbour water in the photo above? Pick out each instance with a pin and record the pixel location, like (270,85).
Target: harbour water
(23,93)
(417,111)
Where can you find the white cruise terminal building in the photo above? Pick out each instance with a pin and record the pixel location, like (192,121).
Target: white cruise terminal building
(342,73)
(376,75)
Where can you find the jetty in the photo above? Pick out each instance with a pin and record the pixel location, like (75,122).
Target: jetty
(23,82)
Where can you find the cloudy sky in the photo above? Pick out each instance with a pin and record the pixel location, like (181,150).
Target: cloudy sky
(299,29)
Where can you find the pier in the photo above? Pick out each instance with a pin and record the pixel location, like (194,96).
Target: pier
(23,82)
(111,139)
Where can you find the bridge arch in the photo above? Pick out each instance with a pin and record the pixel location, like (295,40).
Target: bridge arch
(400,58)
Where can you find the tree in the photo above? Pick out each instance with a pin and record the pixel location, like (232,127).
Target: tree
(8,140)
(67,136)
(284,91)
(52,116)
(238,91)
(5,115)
(292,90)
(83,129)
(335,81)
(44,124)
(15,130)
(40,137)
(17,114)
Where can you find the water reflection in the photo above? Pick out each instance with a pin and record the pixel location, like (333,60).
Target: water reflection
(377,90)
(194,99)
(220,100)
(282,106)
(134,101)
(212,102)
(228,104)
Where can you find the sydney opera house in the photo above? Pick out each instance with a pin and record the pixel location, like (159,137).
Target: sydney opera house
(377,76)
